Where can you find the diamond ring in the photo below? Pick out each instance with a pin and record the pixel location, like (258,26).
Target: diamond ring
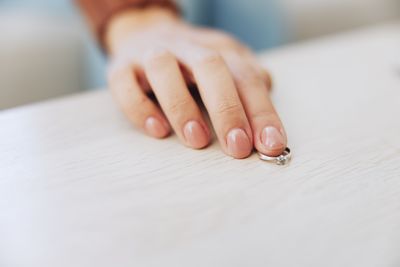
(282,159)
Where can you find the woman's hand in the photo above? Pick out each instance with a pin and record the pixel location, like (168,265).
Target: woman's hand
(154,51)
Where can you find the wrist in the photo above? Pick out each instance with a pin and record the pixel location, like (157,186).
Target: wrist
(129,22)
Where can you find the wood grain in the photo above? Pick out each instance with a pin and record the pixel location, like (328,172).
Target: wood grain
(80,187)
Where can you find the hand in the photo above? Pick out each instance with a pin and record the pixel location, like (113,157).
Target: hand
(154,51)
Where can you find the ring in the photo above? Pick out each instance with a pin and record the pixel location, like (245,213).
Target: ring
(279,160)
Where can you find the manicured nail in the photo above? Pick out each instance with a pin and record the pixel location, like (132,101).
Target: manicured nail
(273,139)
(155,128)
(195,134)
(238,142)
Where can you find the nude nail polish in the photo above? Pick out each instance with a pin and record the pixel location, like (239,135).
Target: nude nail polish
(155,128)
(238,142)
(195,134)
(273,139)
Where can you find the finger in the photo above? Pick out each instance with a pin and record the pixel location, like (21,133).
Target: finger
(247,58)
(263,74)
(219,94)
(168,84)
(269,134)
(139,109)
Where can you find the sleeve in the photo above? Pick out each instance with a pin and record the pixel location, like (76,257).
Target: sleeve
(99,12)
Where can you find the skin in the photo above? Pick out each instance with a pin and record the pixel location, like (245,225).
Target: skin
(153,51)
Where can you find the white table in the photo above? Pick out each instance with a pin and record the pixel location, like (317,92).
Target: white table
(80,187)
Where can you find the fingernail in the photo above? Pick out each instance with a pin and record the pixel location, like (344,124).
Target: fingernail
(195,134)
(238,142)
(273,139)
(155,128)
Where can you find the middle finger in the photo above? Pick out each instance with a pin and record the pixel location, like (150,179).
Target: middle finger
(219,94)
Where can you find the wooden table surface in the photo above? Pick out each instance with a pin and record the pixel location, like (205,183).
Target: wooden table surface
(80,187)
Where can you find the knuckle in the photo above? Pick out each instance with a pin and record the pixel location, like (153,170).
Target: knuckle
(157,57)
(209,58)
(179,106)
(243,49)
(225,38)
(222,37)
(232,43)
(264,114)
(228,107)
(248,78)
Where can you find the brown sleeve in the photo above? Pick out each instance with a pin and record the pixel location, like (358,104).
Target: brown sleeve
(99,12)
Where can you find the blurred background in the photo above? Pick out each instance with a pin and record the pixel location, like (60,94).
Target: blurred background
(47,51)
